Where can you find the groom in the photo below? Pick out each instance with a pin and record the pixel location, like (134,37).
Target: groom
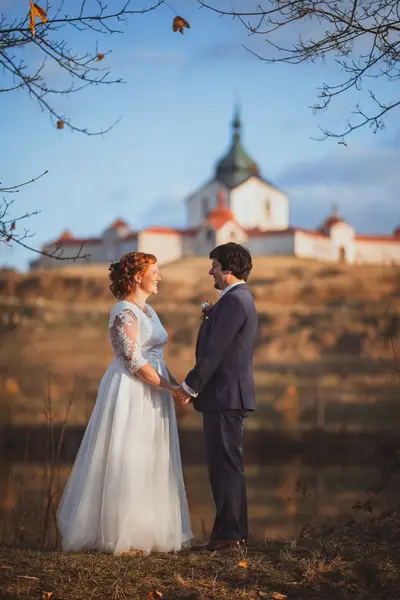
(221,387)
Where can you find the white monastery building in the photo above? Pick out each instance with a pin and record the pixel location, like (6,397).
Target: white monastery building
(236,204)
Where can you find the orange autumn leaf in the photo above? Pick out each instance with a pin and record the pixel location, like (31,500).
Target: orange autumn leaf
(179,23)
(36,11)
(13,226)
(243,563)
(278,596)
(156,595)
(100,56)
(60,124)
(9,238)
(47,596)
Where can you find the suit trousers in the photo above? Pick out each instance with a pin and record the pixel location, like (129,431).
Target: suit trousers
(223,433)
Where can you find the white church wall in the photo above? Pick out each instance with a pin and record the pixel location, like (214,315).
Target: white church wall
(270,244)
(201,202)
(96,252)
(129,245)
(313,246)
(188,244)
(256,204)
(377,251)
(111,245)
(205,241)
(165,246)
(230,232)
(342,237)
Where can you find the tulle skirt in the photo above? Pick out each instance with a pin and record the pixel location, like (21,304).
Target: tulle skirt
(126,491)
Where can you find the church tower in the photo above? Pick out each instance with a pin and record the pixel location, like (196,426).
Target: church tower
(236,166)
(255,202)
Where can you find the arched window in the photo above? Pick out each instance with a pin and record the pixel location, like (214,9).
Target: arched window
(342,255)
(205,204)
(267,208)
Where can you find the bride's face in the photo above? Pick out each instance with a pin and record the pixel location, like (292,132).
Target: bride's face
(149,280)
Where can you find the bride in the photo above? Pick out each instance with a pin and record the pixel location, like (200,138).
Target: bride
(126,491)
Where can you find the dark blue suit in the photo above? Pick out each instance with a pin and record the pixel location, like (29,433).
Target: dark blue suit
(223,379)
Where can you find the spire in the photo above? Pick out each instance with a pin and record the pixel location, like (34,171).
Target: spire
(236,123)
(333,219)
(236,166)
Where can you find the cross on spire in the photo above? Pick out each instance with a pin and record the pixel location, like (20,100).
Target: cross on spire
(236,123)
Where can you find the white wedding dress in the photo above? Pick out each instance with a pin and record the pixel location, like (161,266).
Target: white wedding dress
(126,491)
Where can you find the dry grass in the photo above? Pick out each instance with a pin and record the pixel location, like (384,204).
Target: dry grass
(355,561)
(317,321)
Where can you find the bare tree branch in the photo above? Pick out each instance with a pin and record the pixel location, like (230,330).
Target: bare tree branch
(11,234)
(15,188)
(361,36)
(87,16)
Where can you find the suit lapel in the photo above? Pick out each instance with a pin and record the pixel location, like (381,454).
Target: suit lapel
(198,337)
(201,330)
(202,326)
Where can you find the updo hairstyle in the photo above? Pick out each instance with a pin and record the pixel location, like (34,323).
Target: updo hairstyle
(123,271)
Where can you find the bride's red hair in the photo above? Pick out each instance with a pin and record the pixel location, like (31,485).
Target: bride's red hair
(123,271)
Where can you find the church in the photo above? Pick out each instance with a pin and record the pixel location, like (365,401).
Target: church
(236,204)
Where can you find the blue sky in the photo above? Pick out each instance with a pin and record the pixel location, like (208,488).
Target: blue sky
(175,109)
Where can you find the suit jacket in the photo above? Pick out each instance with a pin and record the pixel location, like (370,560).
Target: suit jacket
(223,374)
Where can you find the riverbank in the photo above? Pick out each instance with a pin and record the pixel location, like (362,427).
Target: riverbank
(352,560)
(330,445)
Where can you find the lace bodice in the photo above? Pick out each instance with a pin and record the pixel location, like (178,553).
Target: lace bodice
(137,337)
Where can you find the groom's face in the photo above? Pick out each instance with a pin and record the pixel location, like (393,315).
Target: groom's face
(218,275)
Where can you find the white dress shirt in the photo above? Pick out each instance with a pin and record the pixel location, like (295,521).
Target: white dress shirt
(185,386)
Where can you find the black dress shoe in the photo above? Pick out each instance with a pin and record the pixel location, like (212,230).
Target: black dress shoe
(217,545)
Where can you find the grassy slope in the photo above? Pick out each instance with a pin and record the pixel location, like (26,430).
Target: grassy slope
(321,325)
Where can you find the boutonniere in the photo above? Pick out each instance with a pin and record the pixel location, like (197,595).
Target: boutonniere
(205,308)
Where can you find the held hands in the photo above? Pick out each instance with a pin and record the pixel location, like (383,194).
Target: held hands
(180,395)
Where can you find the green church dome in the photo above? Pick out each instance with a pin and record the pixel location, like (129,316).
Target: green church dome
(236,166)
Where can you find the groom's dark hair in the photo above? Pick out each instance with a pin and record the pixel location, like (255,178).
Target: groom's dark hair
(234,258)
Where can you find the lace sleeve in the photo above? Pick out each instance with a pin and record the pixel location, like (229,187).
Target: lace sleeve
(123,334)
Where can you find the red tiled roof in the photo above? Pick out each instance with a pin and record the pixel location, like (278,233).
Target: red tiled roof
(221,214)
(395,238)
(332,220)
(390,239)
(66,235)
(118,224)
(162,230)
(254,232)
(217,218)
(189,232)
(312,232)
(71,241)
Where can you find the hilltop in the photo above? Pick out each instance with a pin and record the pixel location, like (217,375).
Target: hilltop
(321,325)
